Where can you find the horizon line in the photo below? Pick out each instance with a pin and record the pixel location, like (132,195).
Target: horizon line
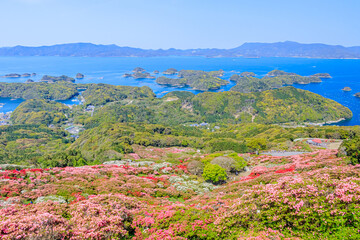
(113,44)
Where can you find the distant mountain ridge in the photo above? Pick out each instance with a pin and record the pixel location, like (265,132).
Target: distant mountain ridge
(253,50)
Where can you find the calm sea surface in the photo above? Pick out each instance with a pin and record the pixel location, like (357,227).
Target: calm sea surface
(345,73)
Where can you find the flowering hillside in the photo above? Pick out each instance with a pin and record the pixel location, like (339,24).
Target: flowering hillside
(315,195)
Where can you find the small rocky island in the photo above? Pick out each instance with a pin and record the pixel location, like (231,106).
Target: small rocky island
(17,75)
(170,71)
(25,75)
(12,75)
(247,74)
(346,89)
(321,75)
(139,73)
(52,79)
(79,76)
(138,69)
(196,79)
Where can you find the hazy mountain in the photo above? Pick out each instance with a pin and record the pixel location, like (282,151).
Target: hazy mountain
(294,49)
(279,49)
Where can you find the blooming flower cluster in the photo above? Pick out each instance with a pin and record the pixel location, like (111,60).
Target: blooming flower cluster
(302,196)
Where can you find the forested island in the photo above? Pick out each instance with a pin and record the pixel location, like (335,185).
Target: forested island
(246,82)
(79,76)
(196,79)
(170,71)
(16,75)
(139,73)
(53,79)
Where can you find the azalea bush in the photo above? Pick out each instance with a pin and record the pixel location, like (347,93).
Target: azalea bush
(314,195)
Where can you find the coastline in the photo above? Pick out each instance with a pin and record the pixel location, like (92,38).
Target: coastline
(329,122)
(307,124)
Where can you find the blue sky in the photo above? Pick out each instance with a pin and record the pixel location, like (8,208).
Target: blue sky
(178,23)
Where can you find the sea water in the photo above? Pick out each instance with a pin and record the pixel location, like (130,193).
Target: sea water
(109,70)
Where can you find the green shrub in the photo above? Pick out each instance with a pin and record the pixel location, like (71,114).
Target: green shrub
(214,173)
(226,144)
(352,149)
(240,161)
(226,163)
(257,144)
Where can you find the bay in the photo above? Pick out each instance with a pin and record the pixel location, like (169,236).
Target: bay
(109,70)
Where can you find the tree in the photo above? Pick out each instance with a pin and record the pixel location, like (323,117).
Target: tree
(257,144)
(352,149)
(214,173)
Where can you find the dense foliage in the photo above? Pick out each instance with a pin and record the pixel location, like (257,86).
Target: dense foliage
(170,71)
(37,111)
(286,104)
(26,144)
(246,82)
(214,173)
(282,105)
(196,79)
(31,144)
(100,94)
(56,91)
(53,79)
(94,94)
(352,149)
